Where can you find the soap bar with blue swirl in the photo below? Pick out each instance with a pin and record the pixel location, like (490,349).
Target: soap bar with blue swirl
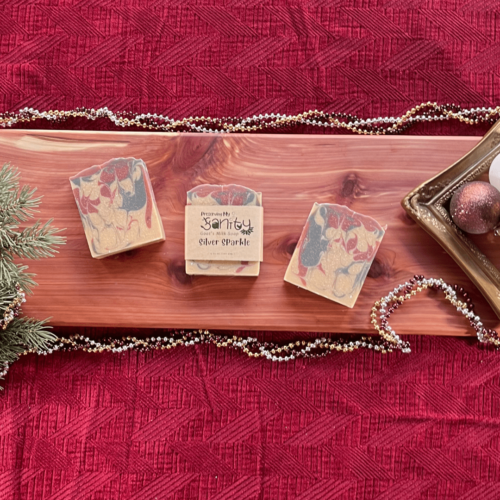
(334,253)
(117,207)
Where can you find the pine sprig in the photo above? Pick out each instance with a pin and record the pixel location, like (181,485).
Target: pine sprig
(35,242)
(11,273)
(24,333)
(18,205)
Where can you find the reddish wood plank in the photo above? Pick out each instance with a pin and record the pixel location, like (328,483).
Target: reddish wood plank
(148,287)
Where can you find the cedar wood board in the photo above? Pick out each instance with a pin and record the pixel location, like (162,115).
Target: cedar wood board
(148,287)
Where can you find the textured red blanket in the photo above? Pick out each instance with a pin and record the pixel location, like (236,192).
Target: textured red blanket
(208,423)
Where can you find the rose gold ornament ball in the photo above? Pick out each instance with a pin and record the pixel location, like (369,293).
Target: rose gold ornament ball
(475,207)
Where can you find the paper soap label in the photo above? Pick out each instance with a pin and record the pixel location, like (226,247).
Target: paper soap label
(224,233)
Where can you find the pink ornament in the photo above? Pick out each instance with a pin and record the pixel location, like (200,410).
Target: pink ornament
(475,207)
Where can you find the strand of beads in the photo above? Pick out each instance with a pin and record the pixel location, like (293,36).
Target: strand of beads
(13,308)
(424,112)
(250,346)
(382,310)
(387,305)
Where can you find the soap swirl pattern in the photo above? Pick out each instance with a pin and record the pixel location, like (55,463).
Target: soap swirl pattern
(223,195)
(116,205)
(335,252)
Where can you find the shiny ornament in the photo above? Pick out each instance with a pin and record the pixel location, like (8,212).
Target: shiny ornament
(475,207)
(495,172)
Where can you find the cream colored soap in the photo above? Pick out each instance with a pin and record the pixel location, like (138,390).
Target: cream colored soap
(212,195)
(334,253)
(117,207)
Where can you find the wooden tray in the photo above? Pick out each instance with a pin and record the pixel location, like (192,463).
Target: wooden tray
(149,288)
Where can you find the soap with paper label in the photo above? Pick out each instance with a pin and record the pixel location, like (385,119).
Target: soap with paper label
(334,253)
(117,207)
(211,195)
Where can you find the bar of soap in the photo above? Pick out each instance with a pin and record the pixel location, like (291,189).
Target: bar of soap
(223,195)
(334,253)
(117,207)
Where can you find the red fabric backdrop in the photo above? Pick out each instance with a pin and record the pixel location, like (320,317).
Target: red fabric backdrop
(208,423)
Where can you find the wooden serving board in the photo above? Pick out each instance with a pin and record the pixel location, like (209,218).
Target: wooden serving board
(149,288)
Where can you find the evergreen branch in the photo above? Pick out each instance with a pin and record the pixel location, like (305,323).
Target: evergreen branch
(9,179)
(7,295)
(30,333)
(11,273)
(17,205)
(23,334)
(36,242)
(7,234)
(8,270)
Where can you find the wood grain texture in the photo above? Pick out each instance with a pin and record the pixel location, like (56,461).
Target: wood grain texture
(148,287)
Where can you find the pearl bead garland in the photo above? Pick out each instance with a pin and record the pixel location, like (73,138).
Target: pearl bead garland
(424,112)
(387,305)
(13,308)
(388,341)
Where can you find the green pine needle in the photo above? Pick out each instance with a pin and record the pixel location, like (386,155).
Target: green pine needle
(18,206)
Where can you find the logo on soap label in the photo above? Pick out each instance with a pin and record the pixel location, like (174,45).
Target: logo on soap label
(214,233)
(225,221)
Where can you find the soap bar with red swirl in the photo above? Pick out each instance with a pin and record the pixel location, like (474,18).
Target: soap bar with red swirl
(334,253)
(223,195)
(117,207)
